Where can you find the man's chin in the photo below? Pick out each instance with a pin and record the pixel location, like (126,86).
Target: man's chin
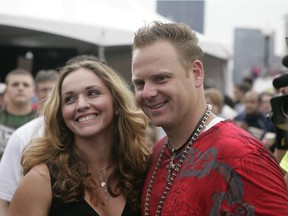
(157,122)
(21,102)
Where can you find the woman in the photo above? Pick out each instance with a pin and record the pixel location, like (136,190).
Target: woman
(92,157)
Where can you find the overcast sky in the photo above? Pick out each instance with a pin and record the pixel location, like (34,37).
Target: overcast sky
(223,16)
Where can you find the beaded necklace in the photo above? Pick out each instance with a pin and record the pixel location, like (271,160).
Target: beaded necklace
(173,168)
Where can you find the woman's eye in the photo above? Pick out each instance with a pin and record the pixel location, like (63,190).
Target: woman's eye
(93,93)
(69,100)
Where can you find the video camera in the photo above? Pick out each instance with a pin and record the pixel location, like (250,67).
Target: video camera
(279,104)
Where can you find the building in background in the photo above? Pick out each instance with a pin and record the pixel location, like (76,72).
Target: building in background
(189,12)
(218,67)
(254,54)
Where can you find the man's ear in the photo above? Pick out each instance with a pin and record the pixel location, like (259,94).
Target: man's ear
(198,72)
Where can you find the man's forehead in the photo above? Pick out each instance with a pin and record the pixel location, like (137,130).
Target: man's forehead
(20,78)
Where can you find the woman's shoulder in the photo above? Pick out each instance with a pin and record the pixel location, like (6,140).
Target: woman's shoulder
(42,169)
(33,188)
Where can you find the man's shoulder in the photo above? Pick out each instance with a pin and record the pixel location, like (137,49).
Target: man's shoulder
(2,115)
(231,136)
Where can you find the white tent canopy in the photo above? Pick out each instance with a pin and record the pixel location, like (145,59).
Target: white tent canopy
(101,22)
(105,23)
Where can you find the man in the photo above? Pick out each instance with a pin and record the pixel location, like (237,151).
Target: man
(10,168)
(205,165)
(18,110)
(239,91)
(44,80)
(280,83)
(252,118)
(284,166)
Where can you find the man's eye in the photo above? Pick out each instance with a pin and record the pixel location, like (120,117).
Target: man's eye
(26,85)
(160,78)
(15,84)
(139,85)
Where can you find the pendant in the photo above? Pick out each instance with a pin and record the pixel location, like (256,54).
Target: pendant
(171,166)
(103,185)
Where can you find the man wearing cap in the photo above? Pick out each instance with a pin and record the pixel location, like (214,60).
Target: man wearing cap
(280,83)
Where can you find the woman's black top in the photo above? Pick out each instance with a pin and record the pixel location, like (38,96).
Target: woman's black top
(77,208)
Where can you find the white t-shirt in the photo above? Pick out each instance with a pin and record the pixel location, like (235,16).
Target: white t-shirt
(10,166)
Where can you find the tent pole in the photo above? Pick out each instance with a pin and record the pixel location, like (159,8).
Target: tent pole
(101,53)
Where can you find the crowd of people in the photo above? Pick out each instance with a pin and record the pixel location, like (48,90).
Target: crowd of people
(94,148)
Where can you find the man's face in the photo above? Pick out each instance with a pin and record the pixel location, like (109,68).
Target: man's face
(163,88)
(43,89)
(284,90)
(20,89)
(252,103)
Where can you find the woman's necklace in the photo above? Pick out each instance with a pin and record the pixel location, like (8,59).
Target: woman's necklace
(173,168)
(103,184)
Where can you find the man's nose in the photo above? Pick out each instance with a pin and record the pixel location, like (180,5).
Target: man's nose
(149,91)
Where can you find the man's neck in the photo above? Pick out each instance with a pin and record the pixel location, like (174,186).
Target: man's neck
(19,110)
(178,136)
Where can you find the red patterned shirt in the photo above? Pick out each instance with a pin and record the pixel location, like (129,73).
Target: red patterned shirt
(226,172)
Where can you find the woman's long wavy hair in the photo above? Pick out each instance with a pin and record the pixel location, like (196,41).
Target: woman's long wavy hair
(68,164)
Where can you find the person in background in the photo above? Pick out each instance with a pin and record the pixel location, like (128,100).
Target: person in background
(265,105)
(280,83)
(18,109)
(10,166)
(228,107)
(44,81)
(249,80)
(2,94)
(205,165)
(240,90)
(284,166)
(252,119)
(92,157)
(215,97)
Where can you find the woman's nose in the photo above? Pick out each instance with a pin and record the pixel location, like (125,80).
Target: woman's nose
(82,103)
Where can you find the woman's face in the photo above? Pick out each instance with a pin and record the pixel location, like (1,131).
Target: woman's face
(87,104)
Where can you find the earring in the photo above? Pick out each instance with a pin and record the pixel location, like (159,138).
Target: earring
(117,112)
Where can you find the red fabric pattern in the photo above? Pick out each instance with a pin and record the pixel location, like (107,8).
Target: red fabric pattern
(226,172)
